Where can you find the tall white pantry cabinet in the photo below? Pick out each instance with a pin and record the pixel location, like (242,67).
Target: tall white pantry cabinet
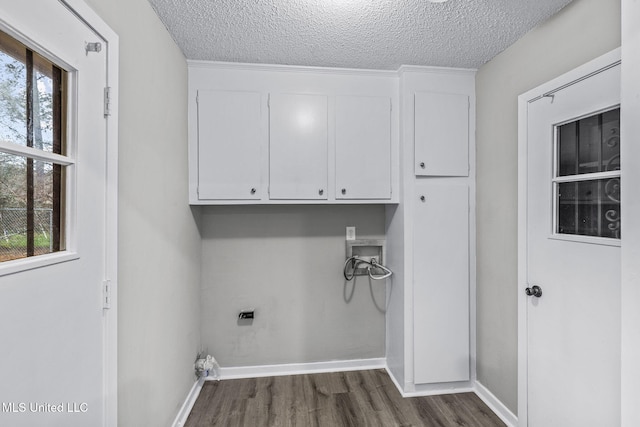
(263,134)
(431,235)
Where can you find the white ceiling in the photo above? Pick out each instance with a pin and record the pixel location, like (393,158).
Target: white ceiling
(375,34)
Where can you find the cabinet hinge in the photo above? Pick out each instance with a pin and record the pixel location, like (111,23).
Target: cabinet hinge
(106,294)
(107,101)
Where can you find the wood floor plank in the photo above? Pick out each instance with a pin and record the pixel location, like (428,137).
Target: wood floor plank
(359,398)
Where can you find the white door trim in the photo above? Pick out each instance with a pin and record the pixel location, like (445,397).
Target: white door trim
(110,324)
(603,62)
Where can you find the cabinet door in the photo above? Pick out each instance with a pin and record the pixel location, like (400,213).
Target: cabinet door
(229,145)
(363,147)
(298,146)
(441,283)
(441,134)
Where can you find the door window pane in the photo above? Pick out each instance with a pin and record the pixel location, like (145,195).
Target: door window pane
(13,91)
(30,220)
(590,145)
(589,208)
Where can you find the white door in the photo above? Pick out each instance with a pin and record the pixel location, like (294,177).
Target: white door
(573,254)
(52,336)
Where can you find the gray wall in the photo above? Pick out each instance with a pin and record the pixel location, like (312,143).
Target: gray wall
(286,262)
(159,244)
(582,31)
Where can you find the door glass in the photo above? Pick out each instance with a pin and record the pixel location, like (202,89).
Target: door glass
(590,208)
(588,204)
(590,145)
(32,104)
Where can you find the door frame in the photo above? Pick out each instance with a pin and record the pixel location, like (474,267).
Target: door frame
(110,319)
(576,75)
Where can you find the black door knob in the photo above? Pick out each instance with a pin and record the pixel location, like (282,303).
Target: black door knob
(535,291)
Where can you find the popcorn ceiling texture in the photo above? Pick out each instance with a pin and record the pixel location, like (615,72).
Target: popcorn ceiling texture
(375,34)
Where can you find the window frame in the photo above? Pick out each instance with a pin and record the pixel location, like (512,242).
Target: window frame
(556,180)
(67,161)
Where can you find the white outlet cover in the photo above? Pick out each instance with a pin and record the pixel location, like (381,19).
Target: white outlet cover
(351,233)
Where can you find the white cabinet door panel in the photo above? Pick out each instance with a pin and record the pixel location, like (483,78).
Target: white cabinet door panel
(229,145)
(298,147)
(441,283)
(363,147)
(441,134)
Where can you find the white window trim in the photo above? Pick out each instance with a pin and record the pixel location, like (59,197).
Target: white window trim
(69,185)
(34,153)
(37,261)
(557,179)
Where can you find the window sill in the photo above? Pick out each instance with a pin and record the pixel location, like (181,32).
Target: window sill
(605,241)
(31,263)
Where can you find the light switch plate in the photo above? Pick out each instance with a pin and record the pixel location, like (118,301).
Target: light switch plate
(351,233)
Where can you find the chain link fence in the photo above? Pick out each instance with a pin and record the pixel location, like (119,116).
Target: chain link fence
(13,232)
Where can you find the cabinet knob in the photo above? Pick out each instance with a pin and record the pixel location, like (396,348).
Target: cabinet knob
(423,199)
(422,165)
(344,191)
(253,191)
(321,192)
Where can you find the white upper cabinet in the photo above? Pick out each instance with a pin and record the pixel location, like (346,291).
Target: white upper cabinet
(289,135)
(363,147)
(298,142)
(441,134)
(229,145)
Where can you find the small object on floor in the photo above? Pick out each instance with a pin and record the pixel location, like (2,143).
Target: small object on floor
(207,367)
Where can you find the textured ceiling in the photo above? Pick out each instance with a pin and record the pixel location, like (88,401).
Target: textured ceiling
(375,34)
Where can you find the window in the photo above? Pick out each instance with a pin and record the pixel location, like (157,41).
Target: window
(33,158)
(587,176)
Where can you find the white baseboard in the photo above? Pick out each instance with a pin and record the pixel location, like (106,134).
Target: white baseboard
(496,405)
(185,410)
(300,368)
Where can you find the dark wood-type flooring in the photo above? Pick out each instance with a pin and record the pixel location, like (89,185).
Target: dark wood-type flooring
(359,398)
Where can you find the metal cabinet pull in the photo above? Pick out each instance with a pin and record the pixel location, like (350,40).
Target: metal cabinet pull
(423,199)
(344,191)
(321,192)
(422,165)
(253,191)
